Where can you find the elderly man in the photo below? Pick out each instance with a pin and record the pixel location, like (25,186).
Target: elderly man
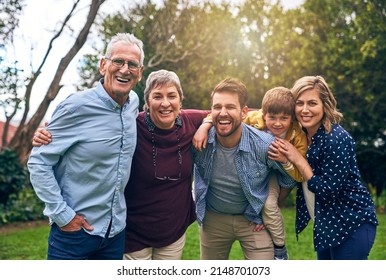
(82,174)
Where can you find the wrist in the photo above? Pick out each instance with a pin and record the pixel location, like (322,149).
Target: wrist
(287,165)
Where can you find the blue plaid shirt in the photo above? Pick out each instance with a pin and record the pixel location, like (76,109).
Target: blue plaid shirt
(252,165)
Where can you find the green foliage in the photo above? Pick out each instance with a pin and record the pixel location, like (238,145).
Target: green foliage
(13,177)
(10,84)
(10,11)
(18,202)
(22,206)
(204,38)
(356,75)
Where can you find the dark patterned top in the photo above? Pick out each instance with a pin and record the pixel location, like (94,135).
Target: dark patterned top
(342,202)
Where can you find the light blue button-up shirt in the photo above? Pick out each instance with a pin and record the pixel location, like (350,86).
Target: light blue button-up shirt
(253,168)
(87,166)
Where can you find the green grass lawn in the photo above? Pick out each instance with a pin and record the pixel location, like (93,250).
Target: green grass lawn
(30,243)
(301,249)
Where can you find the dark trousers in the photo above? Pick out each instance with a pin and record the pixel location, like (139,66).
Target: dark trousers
(356,247)
(80,245)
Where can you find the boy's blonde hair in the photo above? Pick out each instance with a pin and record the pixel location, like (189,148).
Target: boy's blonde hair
(278,100)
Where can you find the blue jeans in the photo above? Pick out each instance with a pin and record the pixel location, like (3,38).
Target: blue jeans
(356,247)
(79,245)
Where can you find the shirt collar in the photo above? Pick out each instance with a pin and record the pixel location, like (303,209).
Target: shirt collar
(244,144)
(106,98)
(321,131)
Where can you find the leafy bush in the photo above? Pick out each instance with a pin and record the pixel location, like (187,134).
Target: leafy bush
(22,206)
(18,201)
(13,176)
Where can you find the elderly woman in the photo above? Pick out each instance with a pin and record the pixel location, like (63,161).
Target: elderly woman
(159,200)
(158,195)
(345,219)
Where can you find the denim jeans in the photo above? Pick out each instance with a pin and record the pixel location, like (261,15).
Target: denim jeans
(356,247)
(79,245)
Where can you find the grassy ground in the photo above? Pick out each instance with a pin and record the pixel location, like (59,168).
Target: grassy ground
(28,241)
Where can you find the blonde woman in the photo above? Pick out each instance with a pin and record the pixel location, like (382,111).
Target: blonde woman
(345,219)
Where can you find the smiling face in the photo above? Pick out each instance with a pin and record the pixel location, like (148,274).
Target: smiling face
(309,110)
(119,81)
(227,116)
(278,124)
(164,105)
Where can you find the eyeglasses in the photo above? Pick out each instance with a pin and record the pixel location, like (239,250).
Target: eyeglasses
(179,159)
(133,66)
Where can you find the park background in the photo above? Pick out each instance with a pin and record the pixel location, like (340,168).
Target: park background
(263,43)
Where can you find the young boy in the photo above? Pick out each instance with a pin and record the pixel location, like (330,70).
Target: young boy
(277,117)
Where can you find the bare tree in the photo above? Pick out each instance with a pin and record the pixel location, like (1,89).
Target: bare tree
(21,141)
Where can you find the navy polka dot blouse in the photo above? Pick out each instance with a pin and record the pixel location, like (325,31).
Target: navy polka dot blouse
(342,202)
